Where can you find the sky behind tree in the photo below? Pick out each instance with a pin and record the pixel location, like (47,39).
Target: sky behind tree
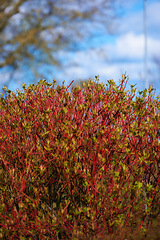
(111,55)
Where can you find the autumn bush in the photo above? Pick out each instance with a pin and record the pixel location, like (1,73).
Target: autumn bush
(79,163)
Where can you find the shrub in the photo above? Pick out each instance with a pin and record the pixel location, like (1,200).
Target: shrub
(79,164)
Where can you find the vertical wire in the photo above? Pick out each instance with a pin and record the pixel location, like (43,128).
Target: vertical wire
(145,46)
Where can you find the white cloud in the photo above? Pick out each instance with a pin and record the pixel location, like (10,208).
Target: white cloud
(127,46)
(131,47)
(112,60)
(126,53)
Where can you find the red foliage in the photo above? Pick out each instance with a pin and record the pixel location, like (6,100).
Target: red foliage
(79,164)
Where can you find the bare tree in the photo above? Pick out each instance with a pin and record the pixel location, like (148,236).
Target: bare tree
(33,31)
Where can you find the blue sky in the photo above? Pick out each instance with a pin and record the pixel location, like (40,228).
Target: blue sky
(110,56)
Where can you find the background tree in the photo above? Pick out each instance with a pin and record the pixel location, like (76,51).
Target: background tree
(33,32)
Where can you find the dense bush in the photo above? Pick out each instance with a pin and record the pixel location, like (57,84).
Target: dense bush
(79,164)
